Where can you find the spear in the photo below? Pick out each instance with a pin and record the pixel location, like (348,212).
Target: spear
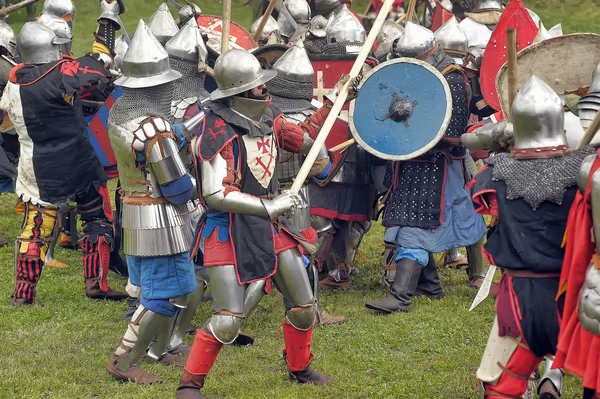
(226,25)
(4,11)
(341,98)
(264,19)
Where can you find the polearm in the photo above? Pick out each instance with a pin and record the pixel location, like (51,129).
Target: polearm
(341,99)
(264,19)
(513,85)
(4,11)
(226,26)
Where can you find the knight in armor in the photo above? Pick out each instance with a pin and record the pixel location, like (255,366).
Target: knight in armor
(291,91)
(479,23)
(428,210)
(342,203)
(41,182)
(156,192)
(528,193)
(246,239)
(187,12)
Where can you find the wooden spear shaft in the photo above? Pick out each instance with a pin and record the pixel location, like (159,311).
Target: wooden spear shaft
(341,98)
(513,85)
(591,132)
(226,26)
(411,10)
(264,19)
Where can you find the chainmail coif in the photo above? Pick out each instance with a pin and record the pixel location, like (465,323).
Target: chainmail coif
(538,180)
(290,96)
(191,83)
(320,46)
(146,101)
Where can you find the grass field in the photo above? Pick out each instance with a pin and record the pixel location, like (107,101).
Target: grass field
(60,350)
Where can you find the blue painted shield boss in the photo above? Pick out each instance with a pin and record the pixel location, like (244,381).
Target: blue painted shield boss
(402,110)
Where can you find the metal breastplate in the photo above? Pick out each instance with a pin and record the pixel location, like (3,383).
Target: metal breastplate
(151,225)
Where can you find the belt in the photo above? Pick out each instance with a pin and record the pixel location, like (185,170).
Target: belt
(529,274)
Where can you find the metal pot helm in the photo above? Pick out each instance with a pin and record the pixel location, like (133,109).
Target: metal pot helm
(538,116)
(270,27)
(146,63)
(8,39)
(344,28)
(38,44)
(162,24)
(237,71)
(299,10)
(488,5)
(64,9)
(390,31)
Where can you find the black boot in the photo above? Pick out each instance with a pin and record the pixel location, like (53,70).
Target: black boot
(429,284)
(403,288)
(132,305)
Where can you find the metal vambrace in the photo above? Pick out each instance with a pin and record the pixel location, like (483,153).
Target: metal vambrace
(165,163)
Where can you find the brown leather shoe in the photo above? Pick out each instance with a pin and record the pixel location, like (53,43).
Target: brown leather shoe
(476,282)
(93,291)
(172,360)
(310,376)
(181,349)
(3,241)
(328,282)
(329,319)
(133,374)
(190,385)
(65,241)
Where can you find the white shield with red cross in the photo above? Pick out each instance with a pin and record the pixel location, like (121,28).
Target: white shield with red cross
(261,157)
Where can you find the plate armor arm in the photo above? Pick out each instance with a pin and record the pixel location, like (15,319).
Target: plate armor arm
(220,190)
(589,305)
(156,145)
(105,35)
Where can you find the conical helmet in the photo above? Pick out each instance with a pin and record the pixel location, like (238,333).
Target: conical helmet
(488,5)
(317,26)
(452,40)
(270,27)
(538,120)
(64,9)
(162,24)
(146,63)
(187,44)
(390,31)
(8,39)
(295,65)
(299,10)
(121,47)
(237,71)
(38,44)
(415,41)
(345,27)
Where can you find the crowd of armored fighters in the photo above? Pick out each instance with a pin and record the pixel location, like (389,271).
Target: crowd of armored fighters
(236,173)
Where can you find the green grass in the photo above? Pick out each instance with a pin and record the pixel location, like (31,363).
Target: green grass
(60,350)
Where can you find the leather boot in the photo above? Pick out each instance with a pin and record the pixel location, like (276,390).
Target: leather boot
(132,305)
(190,385)
(403,288)
(328,319)
(93,291)
(429,284)
(310,376)
(3,241)
(134,374)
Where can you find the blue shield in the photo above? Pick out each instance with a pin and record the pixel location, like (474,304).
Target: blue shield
(402,110)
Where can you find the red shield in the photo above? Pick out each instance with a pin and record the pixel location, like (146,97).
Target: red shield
(328,70)
(212,26)
(514,16)
(440,16)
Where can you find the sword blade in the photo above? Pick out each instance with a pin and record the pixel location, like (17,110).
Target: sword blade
(175,4)
(484,290)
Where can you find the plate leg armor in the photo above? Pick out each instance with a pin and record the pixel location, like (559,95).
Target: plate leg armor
(550,386)
(429,283)
(30,251)
(402,290)
(389,265)
(228,304)
(325,231)
(183,319)
(51,260)
(141,331)
(292,280)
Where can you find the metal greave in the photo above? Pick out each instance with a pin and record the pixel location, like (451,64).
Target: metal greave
(184,316)
(476,262)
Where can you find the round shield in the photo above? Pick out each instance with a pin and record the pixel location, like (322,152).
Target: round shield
(402,110)
(269,54)
(212,26)
(566,63)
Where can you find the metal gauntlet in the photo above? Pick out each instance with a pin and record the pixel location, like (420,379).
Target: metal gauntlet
(164,161)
